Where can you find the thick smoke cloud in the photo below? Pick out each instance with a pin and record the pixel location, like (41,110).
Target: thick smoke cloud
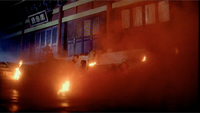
(167,81)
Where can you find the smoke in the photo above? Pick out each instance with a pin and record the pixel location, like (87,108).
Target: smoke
(167,81)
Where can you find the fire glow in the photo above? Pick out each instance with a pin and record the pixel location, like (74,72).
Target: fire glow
(144,59)
(65,88)
(17,72)
(92,64)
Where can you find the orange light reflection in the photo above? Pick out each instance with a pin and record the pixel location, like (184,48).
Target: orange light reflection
(92,64)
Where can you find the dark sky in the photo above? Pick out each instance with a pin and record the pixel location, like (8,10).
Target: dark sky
(6,11)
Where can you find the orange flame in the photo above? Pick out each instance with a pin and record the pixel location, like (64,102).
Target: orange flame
(144,59)
(92,64)
(17,72)
(65,88)
(20,63)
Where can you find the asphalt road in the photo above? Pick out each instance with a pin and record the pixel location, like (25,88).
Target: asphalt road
(144,88)
(15,99)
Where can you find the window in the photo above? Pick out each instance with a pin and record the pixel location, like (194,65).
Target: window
(43,38)
(70,30)
(78,29)
(87,27)
(54,37)
(27,41)
(137,16)
(81,34)
(95,29)
(150,14)
(48,38)
(163,11)
(125,15)
(37,40)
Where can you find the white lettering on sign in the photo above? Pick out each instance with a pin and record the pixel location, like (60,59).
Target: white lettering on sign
(33,20)
(37,18)
(42,17)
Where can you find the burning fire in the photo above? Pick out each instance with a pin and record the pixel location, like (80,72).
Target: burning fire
(92,64)
(20,63)
(65,88)
(17,72)
(144,59)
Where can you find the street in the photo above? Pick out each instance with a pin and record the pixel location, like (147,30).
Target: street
(12,101)
(146,87)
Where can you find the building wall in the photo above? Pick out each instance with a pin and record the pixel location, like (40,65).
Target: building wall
(139,33)
(78,10)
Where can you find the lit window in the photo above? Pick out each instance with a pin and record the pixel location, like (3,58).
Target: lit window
(125,15)
(163,10)
(137,16)
(150,14)
(87,27)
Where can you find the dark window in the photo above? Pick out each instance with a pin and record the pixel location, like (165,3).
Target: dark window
(27,41)
(84,31)
(43,38)
(54,37)
(37,40)
(70,30)
(48,38)
(78,29)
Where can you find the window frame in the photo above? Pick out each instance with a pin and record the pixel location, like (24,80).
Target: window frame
(137,20)
(150,13)
(163,13)
(36,40)
(126,22)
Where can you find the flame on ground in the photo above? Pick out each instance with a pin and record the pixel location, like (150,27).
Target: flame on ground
(17,72)
(92,64)
(65,88)
(144,59)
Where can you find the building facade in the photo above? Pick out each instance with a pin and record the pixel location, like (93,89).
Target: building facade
(81,26)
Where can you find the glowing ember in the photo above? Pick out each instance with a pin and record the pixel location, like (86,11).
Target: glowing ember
(20,63)
(65,88)
(17,72)
(144,59)
(176,49)
(92,64)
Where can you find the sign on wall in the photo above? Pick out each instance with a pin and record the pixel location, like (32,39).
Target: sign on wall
(38,18)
